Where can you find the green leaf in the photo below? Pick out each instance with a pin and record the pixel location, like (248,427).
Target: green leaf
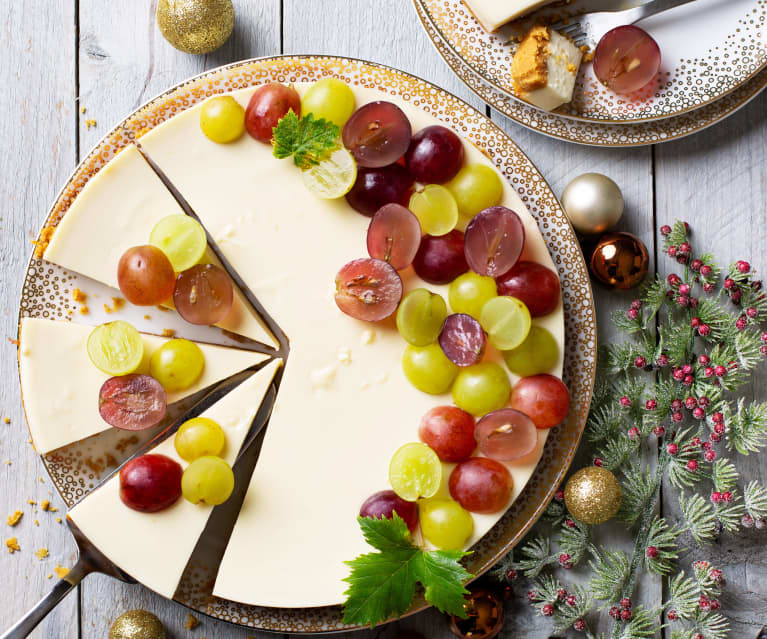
(308,140)
(382,584)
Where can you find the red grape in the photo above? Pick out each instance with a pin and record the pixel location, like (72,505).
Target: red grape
(150,483)
(462,339)
(382,504)
(532,283)
(145,276)
(449,432)
(377,134)
(626,59)
(481,485)
(394,235)
(376,187)
(441,259)
(494,240)
(435,155)
(132,402)
(543,398)
(267,106)
(203,294)
(506,434)
(368,289)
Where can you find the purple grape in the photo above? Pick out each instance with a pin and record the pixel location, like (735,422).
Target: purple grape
(376,187)
(441,259)
(377,134)
(462,339)
(382,504)
(494,240)
(435,155)
(394,236)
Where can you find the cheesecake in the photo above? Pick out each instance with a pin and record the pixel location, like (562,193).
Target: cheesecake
(493,14)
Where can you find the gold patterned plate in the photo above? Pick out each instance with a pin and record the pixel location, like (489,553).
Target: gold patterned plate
(709,49)
(597,133)
(76,469)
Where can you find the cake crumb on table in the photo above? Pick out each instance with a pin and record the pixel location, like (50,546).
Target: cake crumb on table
(42,553)
(168,332)
(191,622)
(79,296)
(31,502)
(84,310)
(6,420)
(12,544)
(58,520)
(60,571)
(46,506)
(15,518)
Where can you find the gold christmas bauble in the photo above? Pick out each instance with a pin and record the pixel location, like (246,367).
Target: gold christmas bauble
(137,624)
(593,203)
(593,495)
(195,26)
(619,260)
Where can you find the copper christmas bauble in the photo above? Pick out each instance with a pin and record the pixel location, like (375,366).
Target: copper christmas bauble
(593,495)
(485,615)
(593,203)
(137,624)
(619,260)
(195,26)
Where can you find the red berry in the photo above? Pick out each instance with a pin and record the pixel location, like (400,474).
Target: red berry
(663,359)
(717,418)
(625,401)
(716,497)
(695,322)
(640,362)
(698,635)
(705,270)
(665,229)
(685,247)
(672,615)
(720,371)
(717,575)
(632,313)
(659,431)
(598,461)
(615,612)
(561,594)
(698,413)
(706,445)
(690,403)
(626,615)
(695,441)
(651,404)
(677,416)
(743,266)
(687,369)
(763,349)
(683,300)
(704,401)
(579,625)
(715,438)
(678,374)
(709,455)
(704,603)
(708,287)
(756,285)
(633,433)
(651,552)
(708,371)
(735,296)
(569,523)
(695,265)
(688,380)
(715,605)
(752,312)
(511,575)
(672,448)
(625,603)
(729,283)
(547,610)
(692,465)
(532,595)
(703,360)
(693,302)
(672,251)
(564,561)
(684,289)
(559,495)
(571,600)
(676,404)
(727,496)
(673,279)
(741,322)
(636,304)
(747,521)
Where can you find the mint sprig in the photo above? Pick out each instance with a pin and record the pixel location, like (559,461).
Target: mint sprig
(307,139)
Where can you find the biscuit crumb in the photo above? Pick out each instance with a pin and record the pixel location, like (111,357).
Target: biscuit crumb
(191,622)
(168,332)
(46,506)
(49,575)
(60,571)
(12,544)
(7,462)
(15,342)
(6,420)
(58,520)
(147,317)
(117,303)
(15,518)
(31,502)
(90,123)
(42,553)
(45,238)
(84,310)
(79,296)
(37,523)
(82,109)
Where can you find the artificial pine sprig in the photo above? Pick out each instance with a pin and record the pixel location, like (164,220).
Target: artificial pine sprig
(693,340)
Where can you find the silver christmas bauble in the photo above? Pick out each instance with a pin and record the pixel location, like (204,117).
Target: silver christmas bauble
(593,203)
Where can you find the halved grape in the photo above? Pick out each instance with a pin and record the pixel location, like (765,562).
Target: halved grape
(394,236)
(506,320)
(377,134)
(207,480)
(375,188)
(476,187)
(181,238)
(506,434)
(420,317)
(428,369)
(116,348)
(150,483)
(222,119)
(203,294)
(435,209)
(333,177)
(449,431)
(415,472)
(462,339)
(543,398)
(440,260)
(481,388)
(481,485)
(384,503)
(330,99)
(199,437)
(494,240)
(267,106)
(435,155)
(368,289)
(537,286)
(469,292)
(537,354)
(626,59)
(145,276)
(177,364)
(132,402)
(445,523)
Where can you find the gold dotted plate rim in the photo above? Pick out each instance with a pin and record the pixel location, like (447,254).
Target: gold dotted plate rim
(44,285)
(693,84)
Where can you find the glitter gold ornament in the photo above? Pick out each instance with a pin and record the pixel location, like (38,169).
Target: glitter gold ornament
(137,624)
(593,495)
(619,260)
(485,615)
(195,26)
(593,203)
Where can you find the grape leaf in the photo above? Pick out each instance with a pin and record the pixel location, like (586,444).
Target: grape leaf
(308,140)
(383,583)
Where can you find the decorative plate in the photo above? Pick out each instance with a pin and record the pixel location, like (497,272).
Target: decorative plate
(597,133)
(76,469)
(709,48)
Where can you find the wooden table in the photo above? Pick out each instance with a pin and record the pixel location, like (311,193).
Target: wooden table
(65,62)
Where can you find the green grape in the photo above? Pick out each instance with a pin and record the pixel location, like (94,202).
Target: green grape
(469,292)
(207,480)
(445,523)
(506,321)
(177,364)
(537,354)
(181,238)
(428,368)
(476,188)
(199,437)
(415,472)
(420,316)
(481,388)
(435,209)
(222,119)
(116,348)
(333,177)
(330,99)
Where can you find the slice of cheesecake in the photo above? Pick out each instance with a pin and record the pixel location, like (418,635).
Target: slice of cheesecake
(544,68)
(493,14)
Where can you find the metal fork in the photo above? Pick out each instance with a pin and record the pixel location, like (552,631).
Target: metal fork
(588,29)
